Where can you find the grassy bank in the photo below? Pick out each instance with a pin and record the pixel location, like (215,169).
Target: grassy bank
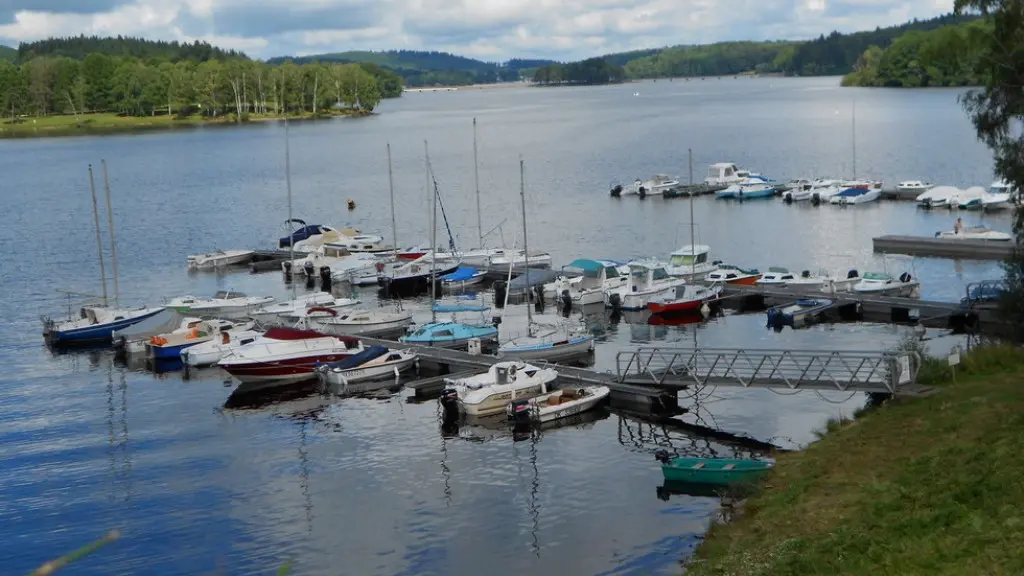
(918,486)
(107,123)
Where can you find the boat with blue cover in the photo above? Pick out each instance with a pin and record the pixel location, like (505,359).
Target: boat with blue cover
(803,312)
(715,471)
(452,333)
(462,277)
(369,370)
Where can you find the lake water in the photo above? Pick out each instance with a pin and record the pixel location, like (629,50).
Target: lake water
(372,486)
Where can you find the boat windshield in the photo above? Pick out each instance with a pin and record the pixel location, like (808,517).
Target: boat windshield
(660,274)
(685,259)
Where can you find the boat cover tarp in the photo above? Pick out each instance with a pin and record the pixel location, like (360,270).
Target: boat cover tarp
(162,322)
(460,274)
(359,359)
(460,308)
(519,283)
(586,265)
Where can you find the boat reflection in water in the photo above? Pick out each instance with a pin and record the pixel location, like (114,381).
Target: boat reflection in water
(499,427)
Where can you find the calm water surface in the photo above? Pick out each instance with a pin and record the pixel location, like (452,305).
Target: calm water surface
(372,486)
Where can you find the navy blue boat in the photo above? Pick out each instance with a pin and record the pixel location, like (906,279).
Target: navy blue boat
(358,359)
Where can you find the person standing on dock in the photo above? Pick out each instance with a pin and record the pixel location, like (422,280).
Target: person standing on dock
(959,226)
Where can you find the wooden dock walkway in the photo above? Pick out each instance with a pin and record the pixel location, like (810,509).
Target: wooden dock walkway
(943,247)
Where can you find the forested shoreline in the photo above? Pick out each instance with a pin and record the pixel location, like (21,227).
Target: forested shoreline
(82,78)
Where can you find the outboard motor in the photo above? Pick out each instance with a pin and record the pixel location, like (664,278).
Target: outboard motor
(521,412)
(538,303)
(616,191)
(815,199)
(616,301)
(566,301)
(805,274)
(787,197)
(449,401)
(852,274)
(325,278)
(643,192)
(310,275)
(905,277)
(308,268)
(662,455)
(500,290)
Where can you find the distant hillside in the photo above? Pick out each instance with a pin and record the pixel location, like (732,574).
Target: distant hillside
(837,53)
(78,47)
(418,68)
(8,53)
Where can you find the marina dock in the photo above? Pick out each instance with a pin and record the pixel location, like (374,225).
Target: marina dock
(943,247)
(853,306)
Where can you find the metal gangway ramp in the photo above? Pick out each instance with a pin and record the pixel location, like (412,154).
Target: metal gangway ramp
(823,370)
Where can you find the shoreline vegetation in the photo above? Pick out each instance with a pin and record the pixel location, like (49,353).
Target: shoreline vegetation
(917,485)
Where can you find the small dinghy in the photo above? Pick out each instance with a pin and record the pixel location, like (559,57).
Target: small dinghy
(556,405)
(693,299)
(800,313)
(717,471)
(975,233)
(375,368)
(219,259)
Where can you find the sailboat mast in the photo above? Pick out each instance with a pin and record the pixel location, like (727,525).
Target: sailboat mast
(693,249)
(99,238)
(854,138)
(476,182)
(433,238)
(526,247)
(288,184)
(391,188)
(110,229)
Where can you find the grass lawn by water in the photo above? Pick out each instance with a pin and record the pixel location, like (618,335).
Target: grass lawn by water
(102,122)
(929,485)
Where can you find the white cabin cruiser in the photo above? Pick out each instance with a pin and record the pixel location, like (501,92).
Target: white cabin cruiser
(776,276)
(646,279)
(224,304)
(212,351)
(914,186)
(598,276)
(362,243)
(690,262)
(728,173)
(342,262)
(489,393)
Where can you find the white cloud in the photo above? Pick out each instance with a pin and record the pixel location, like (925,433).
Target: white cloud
(490,29)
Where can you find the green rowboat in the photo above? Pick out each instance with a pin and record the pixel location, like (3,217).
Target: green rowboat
(718,471)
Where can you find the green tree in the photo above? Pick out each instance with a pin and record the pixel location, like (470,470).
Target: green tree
(13,90)
(98,71)
(209,84)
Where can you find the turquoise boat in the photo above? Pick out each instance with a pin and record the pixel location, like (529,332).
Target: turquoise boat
(717,471)
(453,334)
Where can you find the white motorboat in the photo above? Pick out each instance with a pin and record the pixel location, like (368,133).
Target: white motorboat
(914,186)
(275,310)
(995,201)
(646,279)
(776,276)
(556,405)
(324,310)
(224,304)
(884,283)
(597,277)
(361,243)
(551,343)
(375,368)
(654,185)
(822,190)
(501,258)
(976,233)
(489,393)
(823,281)
(170,345)
(690,262)
(797,191)
(285,356)
(309,237)
(936,196)
(212,351)
(339,259)
(132,340)
(219,259)
(729,274)
(726,173)
(370,323)
(752,187)
(969,199)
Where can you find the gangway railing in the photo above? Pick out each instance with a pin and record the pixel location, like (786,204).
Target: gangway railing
(825,370)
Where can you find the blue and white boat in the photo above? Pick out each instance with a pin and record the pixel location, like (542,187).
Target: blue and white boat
(464,276)
(753,187)
(453,334)
(96,325)
(856,196)
(800,313)
(552,347)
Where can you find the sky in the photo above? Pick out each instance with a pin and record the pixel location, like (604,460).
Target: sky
(493,30)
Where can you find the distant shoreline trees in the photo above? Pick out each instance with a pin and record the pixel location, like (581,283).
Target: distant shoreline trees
(586,72)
